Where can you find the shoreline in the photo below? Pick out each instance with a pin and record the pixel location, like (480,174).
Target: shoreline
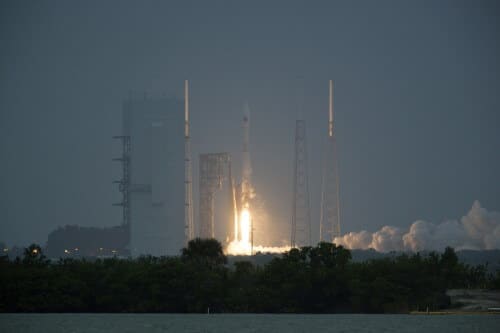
(453,312)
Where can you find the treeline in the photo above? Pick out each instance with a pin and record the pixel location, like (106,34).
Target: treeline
(319,279)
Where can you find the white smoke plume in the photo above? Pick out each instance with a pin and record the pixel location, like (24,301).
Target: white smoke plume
(478,230)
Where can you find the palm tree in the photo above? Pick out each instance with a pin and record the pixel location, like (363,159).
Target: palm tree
(33,254)
(204,251)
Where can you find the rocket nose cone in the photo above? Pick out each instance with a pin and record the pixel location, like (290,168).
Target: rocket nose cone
(246,113)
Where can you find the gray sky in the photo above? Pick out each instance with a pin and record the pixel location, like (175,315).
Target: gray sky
(416,101)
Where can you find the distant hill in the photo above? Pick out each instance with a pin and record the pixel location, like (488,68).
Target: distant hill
(73,241)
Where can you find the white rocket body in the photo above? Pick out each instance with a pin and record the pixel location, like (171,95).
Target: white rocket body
(246,171)
(246,166)
(245,189)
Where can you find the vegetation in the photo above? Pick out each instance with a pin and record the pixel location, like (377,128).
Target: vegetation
(319,279)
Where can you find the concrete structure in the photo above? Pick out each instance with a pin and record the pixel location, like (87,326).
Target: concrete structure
(156,180)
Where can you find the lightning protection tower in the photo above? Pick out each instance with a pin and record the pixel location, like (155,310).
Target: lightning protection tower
(301,219)
(330,201)
(188,179)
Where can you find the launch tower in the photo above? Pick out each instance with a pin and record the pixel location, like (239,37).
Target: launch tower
(301,219)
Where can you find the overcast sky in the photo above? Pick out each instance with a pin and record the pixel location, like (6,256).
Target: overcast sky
(416,101)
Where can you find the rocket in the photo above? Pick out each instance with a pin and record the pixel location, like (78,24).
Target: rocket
(246,166)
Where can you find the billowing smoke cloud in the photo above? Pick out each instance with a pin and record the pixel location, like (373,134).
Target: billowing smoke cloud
(479,230)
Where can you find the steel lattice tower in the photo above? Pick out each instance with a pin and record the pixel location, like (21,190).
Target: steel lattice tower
(301,219)
(330,201)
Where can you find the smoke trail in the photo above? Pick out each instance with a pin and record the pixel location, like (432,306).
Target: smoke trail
(478,230)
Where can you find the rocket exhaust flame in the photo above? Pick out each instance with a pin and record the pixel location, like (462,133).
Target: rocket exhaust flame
(241,245)
(245,224)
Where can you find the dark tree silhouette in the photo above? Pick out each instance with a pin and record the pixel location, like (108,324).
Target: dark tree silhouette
(204,251)
(320,279)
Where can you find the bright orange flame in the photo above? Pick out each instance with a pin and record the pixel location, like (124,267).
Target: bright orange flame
(241,245)
(245,226)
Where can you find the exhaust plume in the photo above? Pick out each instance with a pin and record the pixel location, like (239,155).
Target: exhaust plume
(478,230)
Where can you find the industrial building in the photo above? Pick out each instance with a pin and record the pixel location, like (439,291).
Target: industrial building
(153,180)
(73,241)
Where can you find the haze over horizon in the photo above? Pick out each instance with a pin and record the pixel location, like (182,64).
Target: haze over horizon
(416,103)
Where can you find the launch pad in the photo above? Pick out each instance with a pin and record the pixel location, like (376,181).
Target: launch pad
(152,181)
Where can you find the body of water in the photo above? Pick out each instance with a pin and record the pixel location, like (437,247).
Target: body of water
(232,323)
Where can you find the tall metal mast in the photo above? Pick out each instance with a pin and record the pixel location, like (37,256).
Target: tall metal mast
(188,180)
(330,201)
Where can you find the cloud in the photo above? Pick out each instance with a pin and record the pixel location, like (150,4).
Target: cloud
(355,240)
(387,239)
(479,230)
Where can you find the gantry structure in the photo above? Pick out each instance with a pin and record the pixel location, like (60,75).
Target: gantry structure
(215,168)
